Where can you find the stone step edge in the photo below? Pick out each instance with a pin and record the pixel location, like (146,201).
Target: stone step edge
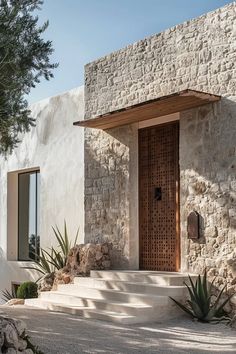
(150,278)
(110,302)
(79,308)
(151,285)
(143,273)
(114,291)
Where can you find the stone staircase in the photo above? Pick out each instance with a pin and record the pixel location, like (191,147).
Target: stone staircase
(118,296)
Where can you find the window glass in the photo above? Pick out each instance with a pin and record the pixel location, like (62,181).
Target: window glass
(28,215)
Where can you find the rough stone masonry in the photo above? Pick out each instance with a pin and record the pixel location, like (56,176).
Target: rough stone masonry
(199,54)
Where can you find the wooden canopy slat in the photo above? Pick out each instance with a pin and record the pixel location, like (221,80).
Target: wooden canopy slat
(161,106)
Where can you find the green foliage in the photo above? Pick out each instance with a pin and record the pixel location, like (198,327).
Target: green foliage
(27,290)
(201,305)
(43,264)
(55,258)
(24,59)
(7,295)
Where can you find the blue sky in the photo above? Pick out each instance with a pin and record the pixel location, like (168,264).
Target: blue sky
(84,30)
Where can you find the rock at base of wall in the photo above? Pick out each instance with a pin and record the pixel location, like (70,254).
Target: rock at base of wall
(62,276)
(13,302)
(46,282)
(13,338)
(82,259)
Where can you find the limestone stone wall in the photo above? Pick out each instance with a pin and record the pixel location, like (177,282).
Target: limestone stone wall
(208,185)
(108,184)
(199,54)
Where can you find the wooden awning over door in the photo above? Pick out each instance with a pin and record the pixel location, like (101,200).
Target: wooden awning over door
(161,106)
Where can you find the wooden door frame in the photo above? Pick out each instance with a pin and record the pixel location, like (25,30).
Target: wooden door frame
(178,241)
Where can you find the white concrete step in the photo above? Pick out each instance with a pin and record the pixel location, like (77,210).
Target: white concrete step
(115,312)
(131,287)
(147,277)
(130,307)
(114,295)
(119,296)
(115,307)
(85,312)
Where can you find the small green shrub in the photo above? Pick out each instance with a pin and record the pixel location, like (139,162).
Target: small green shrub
(27,290)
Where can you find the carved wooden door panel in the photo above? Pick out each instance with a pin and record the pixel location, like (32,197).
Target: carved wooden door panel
(159,197)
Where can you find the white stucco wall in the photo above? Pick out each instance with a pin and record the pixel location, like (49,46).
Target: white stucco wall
(57,148)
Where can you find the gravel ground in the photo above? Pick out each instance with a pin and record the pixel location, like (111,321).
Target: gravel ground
(58,333)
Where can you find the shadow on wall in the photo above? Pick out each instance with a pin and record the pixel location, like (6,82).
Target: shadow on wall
(208,185)
(107,190)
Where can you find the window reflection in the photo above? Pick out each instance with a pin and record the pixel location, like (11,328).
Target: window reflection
(28,216)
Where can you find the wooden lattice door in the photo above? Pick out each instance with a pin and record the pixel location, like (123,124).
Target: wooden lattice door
(159,197)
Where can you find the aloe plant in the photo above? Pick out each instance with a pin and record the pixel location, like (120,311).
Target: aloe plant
(201,305)
(54,258)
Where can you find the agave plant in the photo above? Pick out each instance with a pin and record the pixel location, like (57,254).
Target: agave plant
(7,295)
(63,242)
(54,258)
(203,305)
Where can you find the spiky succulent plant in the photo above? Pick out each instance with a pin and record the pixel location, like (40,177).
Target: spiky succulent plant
(202,304)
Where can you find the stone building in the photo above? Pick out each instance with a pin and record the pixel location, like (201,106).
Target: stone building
(160,143)
(152,167)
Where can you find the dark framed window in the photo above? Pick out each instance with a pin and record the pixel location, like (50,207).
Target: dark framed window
(28,215)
